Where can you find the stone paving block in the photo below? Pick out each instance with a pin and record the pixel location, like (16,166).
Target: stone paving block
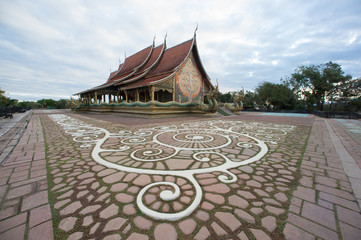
(319,214)
(350,217)
(339,201)
(67,224)
(34,200)
(75,236)
(307,194)
(292,232)
(142,223)
(109,211)
(14,179)
(137,236)
(39,215)
(269,223)
(349,232)
(244,215)
(114,224)
(229,220)
(336,192)
(312,227)
(202,234)
(331,182)
(295,209)
(38,173)
(15,233)
(43,231)
(71,208)
(114,237)
(259,234)
(274,210)
(27,181)
(325,204)
(89,209)
(7,212)
(3,190)
(337,175)
(165,231)
(12,222)
(237,201)
(19,191)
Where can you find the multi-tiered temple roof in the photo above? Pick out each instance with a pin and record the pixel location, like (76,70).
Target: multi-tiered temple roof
(152,65)
(155,80)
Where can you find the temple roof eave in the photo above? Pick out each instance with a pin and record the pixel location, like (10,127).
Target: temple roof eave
(147,82)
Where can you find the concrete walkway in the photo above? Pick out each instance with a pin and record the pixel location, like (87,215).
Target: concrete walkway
(8,123)
(11,131)
(76,193)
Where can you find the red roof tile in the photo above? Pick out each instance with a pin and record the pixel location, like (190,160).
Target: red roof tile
(172,58)
(133,62)
(153,58)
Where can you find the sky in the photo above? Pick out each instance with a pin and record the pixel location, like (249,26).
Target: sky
(53,49)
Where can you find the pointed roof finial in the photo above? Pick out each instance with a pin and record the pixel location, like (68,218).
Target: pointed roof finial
(154,38)
(196,29)
(165,38)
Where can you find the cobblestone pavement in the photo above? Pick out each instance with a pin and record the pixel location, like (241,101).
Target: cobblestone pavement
(238,177)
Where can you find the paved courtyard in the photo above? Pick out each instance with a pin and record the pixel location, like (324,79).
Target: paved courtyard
(252,176)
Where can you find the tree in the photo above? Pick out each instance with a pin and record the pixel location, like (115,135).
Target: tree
(47,103)
(62,103)
(5,101)
(225,97)
(3,98)
(316,84)
(275,96)
(348,91)
(249,100)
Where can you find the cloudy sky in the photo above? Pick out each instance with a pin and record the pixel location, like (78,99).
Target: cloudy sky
(52,49)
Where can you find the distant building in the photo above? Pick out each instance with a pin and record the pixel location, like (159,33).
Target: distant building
(153,81)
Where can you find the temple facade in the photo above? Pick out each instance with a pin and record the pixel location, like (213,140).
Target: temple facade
(156,80)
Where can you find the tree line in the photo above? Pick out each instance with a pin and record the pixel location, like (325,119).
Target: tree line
(310,87)
(6,102)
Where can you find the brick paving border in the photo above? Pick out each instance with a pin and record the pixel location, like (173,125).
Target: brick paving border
(24,206)
(323,205)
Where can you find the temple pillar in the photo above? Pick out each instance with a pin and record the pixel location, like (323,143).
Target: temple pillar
(152,93)
(126,95)
(173,97)
(89,98)
(95,98)
(137,95)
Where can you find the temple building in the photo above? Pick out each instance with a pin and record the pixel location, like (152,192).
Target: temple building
(156,80)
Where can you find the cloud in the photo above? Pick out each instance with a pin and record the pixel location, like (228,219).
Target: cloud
(57,48)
